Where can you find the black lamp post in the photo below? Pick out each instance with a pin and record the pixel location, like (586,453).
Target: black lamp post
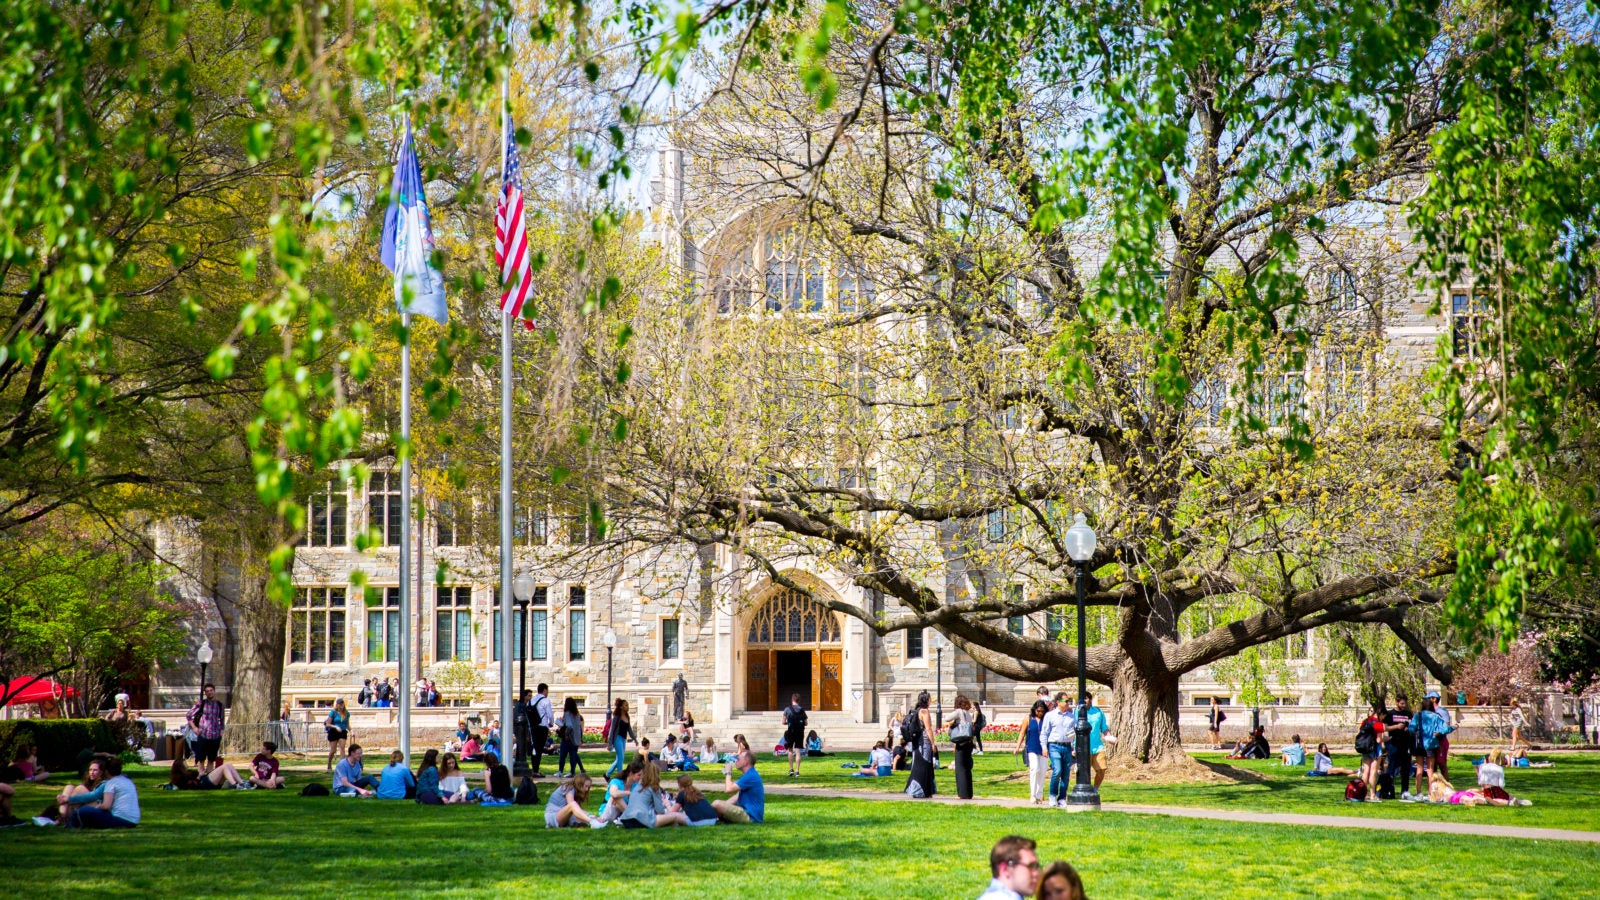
(610,640)
(1080,541)
(938,675)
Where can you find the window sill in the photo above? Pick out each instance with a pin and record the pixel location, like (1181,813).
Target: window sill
(670,663)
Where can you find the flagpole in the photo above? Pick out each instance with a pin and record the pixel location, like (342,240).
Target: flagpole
(405,537)
(507,731)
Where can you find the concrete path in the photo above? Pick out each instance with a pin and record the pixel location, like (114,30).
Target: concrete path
(1228,815)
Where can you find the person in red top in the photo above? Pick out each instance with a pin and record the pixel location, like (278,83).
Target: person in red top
(1372,756)
(264,768)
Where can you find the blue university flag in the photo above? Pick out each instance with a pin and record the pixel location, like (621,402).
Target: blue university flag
(408,240)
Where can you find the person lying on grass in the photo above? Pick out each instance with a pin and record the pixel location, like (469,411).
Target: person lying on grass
(264,768)
(1322,764)
(1442,791)
(565,807)
(183,778)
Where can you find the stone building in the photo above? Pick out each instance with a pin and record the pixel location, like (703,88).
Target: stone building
(742,648)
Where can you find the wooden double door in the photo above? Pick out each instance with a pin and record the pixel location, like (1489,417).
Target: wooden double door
(775,673)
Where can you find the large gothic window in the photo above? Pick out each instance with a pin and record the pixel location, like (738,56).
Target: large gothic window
(793,618)
(781,269)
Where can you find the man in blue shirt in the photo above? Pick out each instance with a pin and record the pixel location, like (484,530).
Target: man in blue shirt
(1056,734)
(1014,863)
(747,797)
(347,778)
(1097,729)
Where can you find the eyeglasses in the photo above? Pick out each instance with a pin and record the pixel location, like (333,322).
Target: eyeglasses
(1035,866)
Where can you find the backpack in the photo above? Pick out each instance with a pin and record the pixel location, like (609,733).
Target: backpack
(794,717)
(527,793)
(911,728)
(605,732)
(1356,789)
(314,789)
(1367,739)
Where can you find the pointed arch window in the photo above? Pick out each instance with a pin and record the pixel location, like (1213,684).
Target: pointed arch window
(793,618)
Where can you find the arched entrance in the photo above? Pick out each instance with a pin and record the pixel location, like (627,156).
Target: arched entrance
(793,646)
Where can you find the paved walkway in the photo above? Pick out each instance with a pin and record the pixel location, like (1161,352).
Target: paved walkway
(1230,815)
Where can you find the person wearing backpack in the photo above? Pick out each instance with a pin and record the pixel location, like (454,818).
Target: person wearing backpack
(918,732)
(1369,744)
(794,733)
(1400,740)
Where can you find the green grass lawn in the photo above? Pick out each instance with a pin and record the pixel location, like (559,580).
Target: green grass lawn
(1567,795)
(278,844)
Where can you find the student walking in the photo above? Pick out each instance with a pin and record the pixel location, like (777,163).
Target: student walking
(541,718)
(571,734)
(794,733)
(337,725)
(1032,750)
(620,731)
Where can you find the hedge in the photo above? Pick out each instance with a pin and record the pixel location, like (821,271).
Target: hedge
(60,741)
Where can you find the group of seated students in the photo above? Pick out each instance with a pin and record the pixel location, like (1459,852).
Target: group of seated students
(634,798)
(105,798)
(1491,789)
(470,746)
(1255,746)
(263,774)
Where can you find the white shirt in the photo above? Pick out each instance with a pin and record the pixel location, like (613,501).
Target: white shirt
(671,754)
(1321,762)
(998,891)
(452,785)
(124,798)
(708,757)
(1057,728)
(541,708)
(1491,775)
(881,757)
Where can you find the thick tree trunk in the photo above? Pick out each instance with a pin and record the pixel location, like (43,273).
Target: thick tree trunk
(1145,715)
(260,643)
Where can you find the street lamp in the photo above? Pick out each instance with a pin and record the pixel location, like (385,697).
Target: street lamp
(610,640)
(938,674)
(1080,542)
(204,656)
(522,590)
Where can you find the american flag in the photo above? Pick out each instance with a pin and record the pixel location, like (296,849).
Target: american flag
(511,232)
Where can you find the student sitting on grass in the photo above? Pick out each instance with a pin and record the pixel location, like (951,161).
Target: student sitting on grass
(25,765)
(747,798)
(496,783)
(396,779)
(92,787)
(1492,781)
(264,768)
(673,757)
(1294,754)
(1322,764)
(879,764)
(118,803)
(183,778)
(647,807)
(428,778)
(901,756)
(814,744)
(617,791)
(471,749)
(708,756)
(347,778)
(452,781)
(694,806)
(565,807)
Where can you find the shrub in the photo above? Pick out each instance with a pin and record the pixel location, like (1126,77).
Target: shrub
(60,741)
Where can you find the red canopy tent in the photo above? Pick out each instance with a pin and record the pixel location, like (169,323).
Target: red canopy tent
(40,690)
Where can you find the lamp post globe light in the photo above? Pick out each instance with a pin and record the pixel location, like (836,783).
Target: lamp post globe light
(1080,541)
(522,589)
(203,656)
